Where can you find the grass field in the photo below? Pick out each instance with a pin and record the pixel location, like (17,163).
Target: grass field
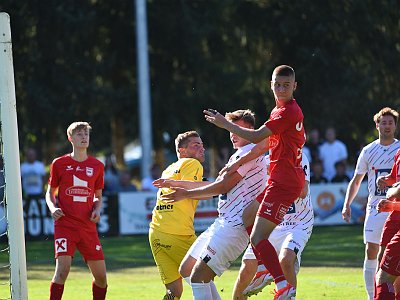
(331,269)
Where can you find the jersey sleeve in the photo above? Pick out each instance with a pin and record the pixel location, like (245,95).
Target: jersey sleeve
(191,170)
(281,121)
(99,184)
(362,165)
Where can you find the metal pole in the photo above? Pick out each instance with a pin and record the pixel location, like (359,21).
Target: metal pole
(146,138)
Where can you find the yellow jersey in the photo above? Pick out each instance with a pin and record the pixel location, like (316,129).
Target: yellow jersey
(177,218)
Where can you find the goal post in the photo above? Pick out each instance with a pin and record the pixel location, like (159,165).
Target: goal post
(13,191)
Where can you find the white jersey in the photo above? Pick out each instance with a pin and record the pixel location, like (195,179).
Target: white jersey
(300,215)
(376,160)
(253,182)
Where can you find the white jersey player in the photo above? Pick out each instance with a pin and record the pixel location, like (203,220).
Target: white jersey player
(376,159)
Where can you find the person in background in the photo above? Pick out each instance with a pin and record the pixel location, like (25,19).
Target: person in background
(111,175)
(147,182)
(340,175)
(317,170)
(313,143)
(125,182)
(33,174)
(330,152)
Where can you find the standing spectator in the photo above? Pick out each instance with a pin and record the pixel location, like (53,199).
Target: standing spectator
(340,174)
(317,169)
(375,159)
(125,182)
(313,143)
(111,175)
(79,180)
(332,151)
(147,182)
(33,173)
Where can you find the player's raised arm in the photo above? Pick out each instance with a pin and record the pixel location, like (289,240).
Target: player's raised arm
(252,135)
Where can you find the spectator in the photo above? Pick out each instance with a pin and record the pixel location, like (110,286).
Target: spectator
(313,143)
(332,151)
(147,182)
(33,174)
(317,169)
(340,175)
(111,175)
(125,182)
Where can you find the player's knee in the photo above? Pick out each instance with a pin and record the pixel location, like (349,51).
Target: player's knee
(101,280)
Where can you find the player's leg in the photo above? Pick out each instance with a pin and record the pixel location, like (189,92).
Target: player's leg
(99,284)
(287,259)
(246,273)
(370,266)
(63,266)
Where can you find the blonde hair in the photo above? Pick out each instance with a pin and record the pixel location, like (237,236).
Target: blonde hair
(182,139)
(386,111)
(76,126)
(242,114)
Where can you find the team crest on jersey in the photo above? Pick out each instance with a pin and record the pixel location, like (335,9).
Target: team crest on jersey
(89,171)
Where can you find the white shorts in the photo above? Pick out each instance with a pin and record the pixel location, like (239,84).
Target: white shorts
(219,246)
(373,225)
(294,240)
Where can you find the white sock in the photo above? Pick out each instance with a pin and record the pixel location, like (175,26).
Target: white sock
(214,291)
(261,268)
(201,291)
(187,279)
(281,284)
(369,274)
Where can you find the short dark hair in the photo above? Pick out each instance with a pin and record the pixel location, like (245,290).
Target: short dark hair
(284,70)
(242,114)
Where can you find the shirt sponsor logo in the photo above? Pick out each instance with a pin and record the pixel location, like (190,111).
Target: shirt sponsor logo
(211,250)
(164,206)
(89,171)
(299,126)
(80,191)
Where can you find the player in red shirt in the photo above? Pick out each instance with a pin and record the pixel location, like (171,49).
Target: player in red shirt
(79,180)
(389,267)
(285,132)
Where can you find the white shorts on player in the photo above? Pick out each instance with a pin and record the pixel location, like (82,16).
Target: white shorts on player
(219,246)
(373,225)
(294,240)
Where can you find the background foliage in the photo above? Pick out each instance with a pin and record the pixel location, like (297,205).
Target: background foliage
(77,60)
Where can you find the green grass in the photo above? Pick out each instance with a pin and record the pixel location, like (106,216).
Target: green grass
(331,269)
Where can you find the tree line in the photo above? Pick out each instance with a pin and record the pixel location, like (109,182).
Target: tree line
(76,60)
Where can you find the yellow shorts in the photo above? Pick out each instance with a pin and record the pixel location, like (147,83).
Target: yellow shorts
(168,252)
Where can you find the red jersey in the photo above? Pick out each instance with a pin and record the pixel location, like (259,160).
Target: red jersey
(285,144)
(77,183)
(395,175)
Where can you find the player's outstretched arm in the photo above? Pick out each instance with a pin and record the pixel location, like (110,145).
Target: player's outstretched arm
(255,152)
(185,184)
(352,190)
(252,135)
(222,185)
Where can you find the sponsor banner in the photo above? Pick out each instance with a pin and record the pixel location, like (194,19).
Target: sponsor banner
(135,210)
(39,223)
(328,200)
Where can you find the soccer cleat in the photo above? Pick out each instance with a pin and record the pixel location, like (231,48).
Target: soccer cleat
(286,293)
(260,280)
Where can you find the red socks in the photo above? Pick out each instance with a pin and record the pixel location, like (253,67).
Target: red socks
(267,253)
(56,291)
(384,291)
(98,292)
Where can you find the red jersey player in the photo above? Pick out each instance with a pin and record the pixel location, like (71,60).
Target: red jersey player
(389,267)
(285,132)
(79,180)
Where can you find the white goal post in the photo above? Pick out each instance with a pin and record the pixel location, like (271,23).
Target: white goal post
(13,191)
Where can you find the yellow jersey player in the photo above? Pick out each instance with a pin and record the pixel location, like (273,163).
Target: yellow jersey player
(171,230)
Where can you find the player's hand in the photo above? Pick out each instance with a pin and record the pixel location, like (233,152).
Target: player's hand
(381,182)
(214,117)
(176,195)
(384,205)
(160,183)
(57,213)
(346,213)
(95,216)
